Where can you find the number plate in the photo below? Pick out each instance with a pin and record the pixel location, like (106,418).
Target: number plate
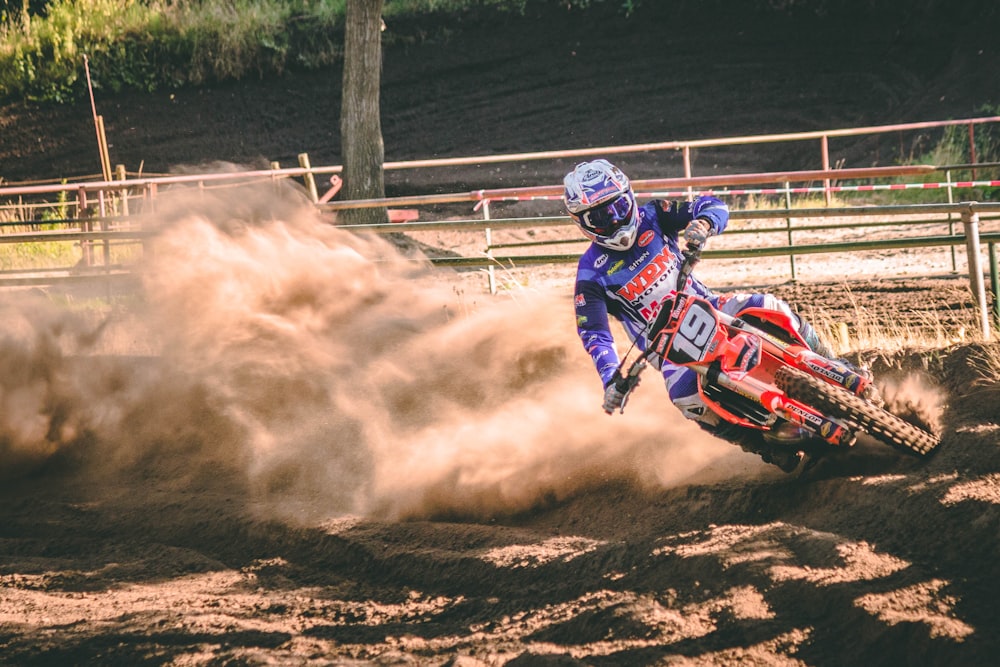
(694,334)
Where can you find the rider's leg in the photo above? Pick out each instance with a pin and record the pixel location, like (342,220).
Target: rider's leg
(812,339)
(734,304)
(682,386)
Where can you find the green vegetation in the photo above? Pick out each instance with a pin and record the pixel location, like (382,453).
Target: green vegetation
(948,147)
(52,255)
(151,44)
(23,256)
(161,44)
(956,148)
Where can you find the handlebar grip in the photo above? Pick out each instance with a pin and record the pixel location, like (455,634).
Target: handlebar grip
(626,382)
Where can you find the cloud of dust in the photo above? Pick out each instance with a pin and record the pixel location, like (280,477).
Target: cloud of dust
(913,398)
(333,375)
(37,390)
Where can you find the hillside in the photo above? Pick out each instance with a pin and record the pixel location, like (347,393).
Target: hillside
(560,79)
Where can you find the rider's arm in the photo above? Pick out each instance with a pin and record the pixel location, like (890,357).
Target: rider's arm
(594,329)
(674,216)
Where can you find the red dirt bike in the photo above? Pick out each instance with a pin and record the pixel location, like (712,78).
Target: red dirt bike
(756,369)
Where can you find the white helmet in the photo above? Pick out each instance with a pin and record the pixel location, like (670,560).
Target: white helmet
(599,198)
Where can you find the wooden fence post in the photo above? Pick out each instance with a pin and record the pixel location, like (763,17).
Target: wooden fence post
(83,212)
(308,177)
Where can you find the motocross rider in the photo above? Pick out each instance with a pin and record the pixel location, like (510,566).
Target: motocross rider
(631,268)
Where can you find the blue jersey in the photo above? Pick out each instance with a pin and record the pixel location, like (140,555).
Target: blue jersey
(631,285)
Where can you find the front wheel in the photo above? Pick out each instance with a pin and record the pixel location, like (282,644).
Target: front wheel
(840,403)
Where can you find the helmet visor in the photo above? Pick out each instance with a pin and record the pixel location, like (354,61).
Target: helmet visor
(608,218)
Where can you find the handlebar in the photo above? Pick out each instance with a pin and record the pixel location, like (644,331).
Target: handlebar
(629,381)
(691,257)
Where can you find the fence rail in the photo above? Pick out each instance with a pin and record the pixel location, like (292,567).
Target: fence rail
(106,210)
(971,238)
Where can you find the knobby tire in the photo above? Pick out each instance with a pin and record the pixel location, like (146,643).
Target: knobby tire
(840,403)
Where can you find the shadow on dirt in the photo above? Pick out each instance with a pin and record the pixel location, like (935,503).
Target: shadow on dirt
(898,554)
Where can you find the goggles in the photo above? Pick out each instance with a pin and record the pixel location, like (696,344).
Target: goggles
(606,219)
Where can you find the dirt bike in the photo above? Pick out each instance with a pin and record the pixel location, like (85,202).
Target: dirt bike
(755,370)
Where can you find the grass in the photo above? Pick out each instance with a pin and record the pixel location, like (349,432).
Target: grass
(26,256)
(163,44)
(987,364)
(54,255)
(153,44)
(877,329)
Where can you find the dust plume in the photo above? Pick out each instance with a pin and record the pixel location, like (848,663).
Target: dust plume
(327,373)
(37,390)
(914,399)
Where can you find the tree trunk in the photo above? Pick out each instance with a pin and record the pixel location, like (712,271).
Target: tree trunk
(360,117)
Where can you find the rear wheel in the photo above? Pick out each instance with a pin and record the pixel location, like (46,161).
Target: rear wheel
(840,403)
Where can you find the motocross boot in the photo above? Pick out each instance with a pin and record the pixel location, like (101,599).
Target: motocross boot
(786,459)
(784,454)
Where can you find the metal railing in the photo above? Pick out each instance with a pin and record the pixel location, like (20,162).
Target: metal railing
(105,210)
(969,212)
(147,185)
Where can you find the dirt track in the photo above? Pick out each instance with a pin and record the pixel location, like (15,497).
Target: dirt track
(407,470)
(333,461)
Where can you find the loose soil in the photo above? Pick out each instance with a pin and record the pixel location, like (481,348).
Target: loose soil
(284,453)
